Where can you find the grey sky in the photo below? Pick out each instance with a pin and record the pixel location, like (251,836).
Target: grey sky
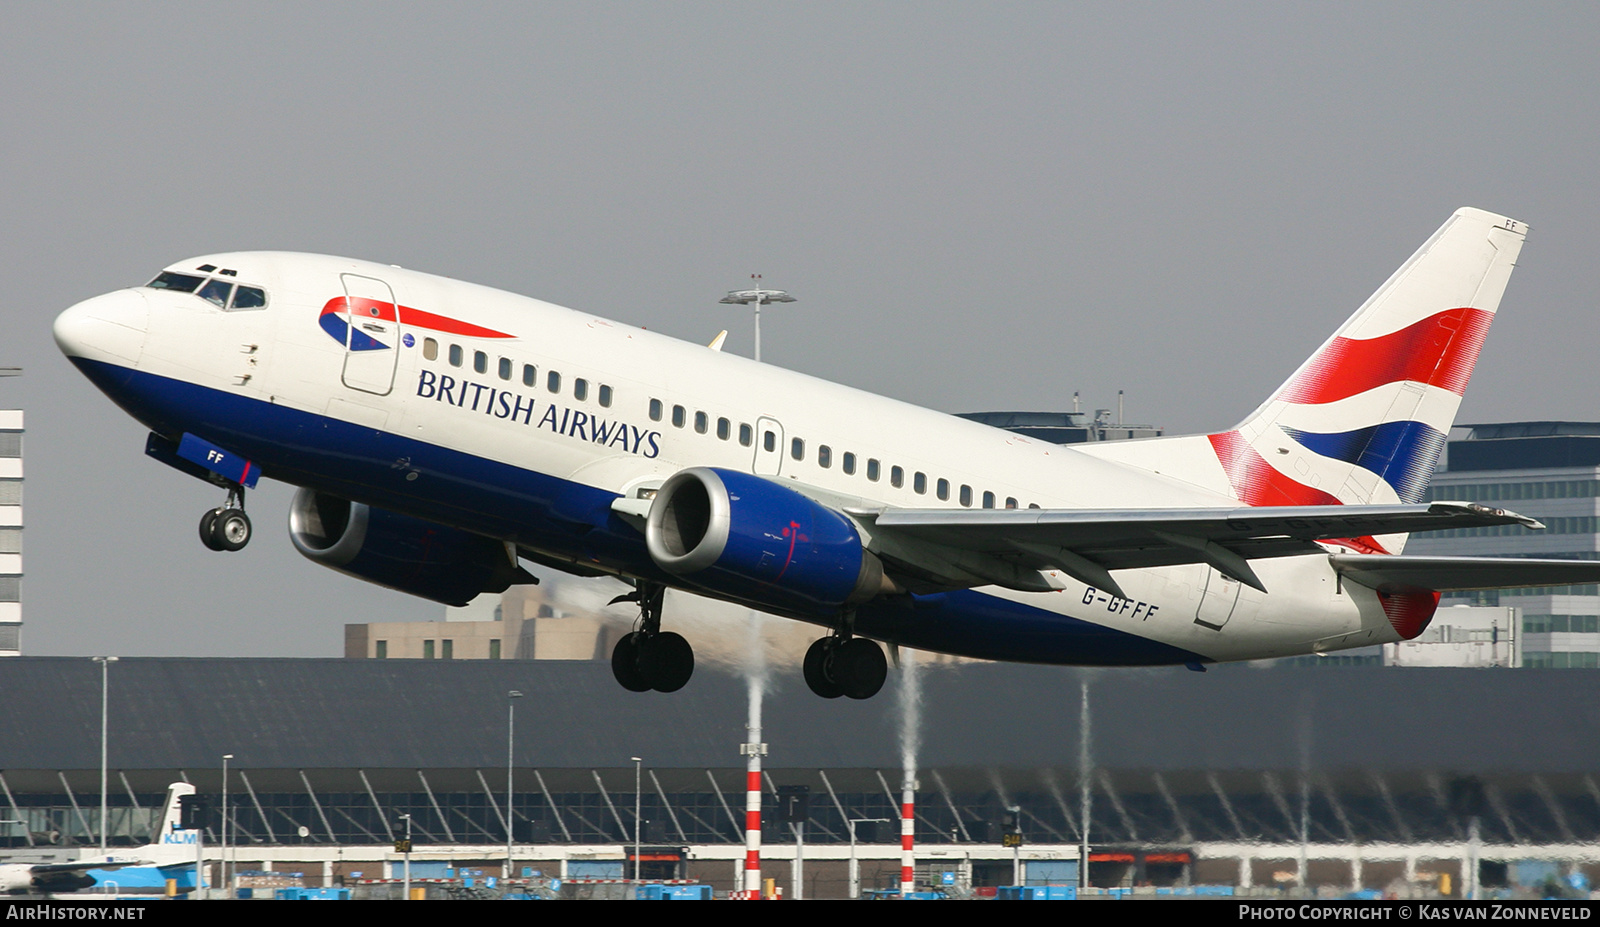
(979,206)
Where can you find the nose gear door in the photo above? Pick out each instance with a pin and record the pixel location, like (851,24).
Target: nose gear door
(372,334)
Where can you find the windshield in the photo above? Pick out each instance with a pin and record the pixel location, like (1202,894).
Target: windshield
(183,283)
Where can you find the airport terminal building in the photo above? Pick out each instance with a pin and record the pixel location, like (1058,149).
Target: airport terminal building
(1386,778)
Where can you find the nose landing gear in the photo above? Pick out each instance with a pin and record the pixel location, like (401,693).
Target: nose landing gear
(227,527)
(850,666)
(651,658)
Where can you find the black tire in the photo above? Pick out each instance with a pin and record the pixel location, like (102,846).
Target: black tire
(206,522)
(860,668)
(625,663)
(668,661)
(818,656)
(230,530)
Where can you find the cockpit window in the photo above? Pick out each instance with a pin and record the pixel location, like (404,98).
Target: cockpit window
(213,290)
(216,292)
(183,283)
(249,297)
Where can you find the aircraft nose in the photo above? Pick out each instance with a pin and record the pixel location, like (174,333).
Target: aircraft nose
(106,328)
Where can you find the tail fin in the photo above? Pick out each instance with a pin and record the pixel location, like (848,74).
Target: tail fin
(169,817)
(1365,418)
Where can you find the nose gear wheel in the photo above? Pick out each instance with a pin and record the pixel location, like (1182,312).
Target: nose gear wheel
(227,527)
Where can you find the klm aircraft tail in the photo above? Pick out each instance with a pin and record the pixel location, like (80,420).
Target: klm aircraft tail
(169,817)
(172,845)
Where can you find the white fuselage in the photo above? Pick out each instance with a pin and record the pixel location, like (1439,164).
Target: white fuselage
(275,380)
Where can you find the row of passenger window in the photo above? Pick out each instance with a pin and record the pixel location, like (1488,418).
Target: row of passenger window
(505,367)
(848,462)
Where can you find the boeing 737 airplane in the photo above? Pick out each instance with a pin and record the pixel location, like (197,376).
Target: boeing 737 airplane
(143,870)
(442,434)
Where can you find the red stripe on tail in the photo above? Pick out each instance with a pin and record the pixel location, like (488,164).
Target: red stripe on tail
(1439,351)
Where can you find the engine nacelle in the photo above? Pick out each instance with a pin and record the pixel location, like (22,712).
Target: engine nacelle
(424,559)
(742,535)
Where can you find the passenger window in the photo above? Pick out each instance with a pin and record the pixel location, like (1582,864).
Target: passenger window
(797,448)
(872,469)
(456,355)
(919,483)
(480,362)
(848,465)
(430,349)
(678,416)
(1033,505)
(897,477)
(966,496)
(1011,502)
(988,500)
(505,368)
(580,389)
(552,381)
(249,297)
(770,441)
(824,455)
(724,428)
(530,374)
(216,292)
(605,395)
(746,434)
(655,410)
(701,422)
(943,490)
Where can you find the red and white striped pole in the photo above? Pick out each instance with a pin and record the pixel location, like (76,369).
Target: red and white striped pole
(753,749)
(910,743)
(908,804)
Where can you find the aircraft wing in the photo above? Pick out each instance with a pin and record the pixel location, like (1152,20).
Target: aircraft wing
(83,865)
(1009,547)
(1449,574)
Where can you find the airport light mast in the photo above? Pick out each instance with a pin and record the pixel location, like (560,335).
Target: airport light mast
(511,750)
(105,681)
(756,297)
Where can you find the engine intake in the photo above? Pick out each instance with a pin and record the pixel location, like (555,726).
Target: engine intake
(737,534)
(419,557)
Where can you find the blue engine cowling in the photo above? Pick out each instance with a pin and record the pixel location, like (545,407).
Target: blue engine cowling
(419,557)
(753,539)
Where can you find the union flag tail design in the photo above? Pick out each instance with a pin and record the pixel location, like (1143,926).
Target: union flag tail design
(1365,418)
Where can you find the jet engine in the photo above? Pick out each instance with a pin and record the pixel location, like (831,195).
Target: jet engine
(748,537)
(433,561)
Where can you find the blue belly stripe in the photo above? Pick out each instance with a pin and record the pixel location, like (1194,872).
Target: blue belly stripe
(545,512)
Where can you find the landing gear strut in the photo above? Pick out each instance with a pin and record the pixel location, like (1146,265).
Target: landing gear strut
(226,527)
(842,665)
(651,658)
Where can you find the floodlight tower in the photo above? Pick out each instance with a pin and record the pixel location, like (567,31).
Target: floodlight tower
(756,297)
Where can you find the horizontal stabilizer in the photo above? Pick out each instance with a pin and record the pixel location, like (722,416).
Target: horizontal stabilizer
(1449,574)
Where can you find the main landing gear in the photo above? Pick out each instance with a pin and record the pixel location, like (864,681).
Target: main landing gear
(226,527)
(651,658)
(844,665)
